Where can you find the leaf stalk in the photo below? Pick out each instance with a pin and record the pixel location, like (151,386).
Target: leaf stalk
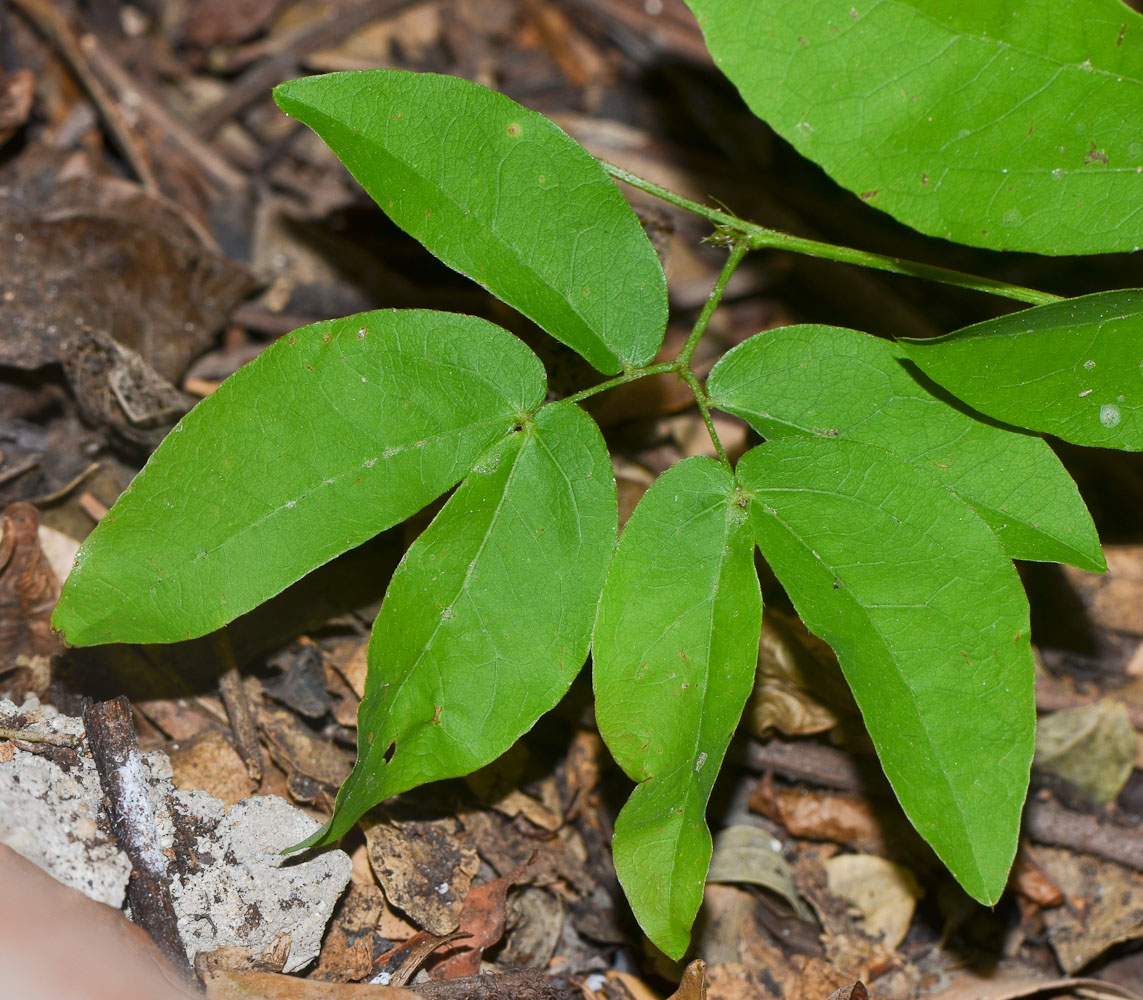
(760,237)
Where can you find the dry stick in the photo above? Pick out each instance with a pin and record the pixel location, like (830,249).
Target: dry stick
(1045,821)
(257,81)
(238,708)
(123,775)
(205,156)
(55,27)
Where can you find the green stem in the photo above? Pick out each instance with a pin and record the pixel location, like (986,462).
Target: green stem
(704,408)
(630,376)
(759,237)
(737,252)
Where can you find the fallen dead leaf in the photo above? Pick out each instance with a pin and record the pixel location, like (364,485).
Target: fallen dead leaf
(1106,906)
(1092,747)
(209,762)
(424,866)
(693,984)
(482,922)
(883,893)
(28,593)
(275,986)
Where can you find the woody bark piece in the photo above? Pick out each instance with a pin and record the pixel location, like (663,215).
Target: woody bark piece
(237,704)
(111,737)
(518,984)
(1045,821)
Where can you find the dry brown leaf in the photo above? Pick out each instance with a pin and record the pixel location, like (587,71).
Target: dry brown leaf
(28,593)
(424,866)
(347,951)
(833,816)
(481,923)
(1114,599)
(275,986)
(883,893)
(1106,906)
(209,762)
(798,687)
(1016,985)
(692,986)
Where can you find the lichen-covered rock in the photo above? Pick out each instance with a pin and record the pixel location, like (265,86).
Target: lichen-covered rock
(229,881)
(52,813)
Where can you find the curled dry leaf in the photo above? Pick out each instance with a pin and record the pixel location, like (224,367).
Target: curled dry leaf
(482,920)
(837,817)
(799,689)
(28,592)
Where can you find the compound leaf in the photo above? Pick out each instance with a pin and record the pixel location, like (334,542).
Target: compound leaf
(835,383)
(1073,368)
(1011,126)
(488,618)
(336,432)
(674,653)
(930,624)
(501,194)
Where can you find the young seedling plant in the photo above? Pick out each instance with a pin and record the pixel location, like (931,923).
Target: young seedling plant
(895,484)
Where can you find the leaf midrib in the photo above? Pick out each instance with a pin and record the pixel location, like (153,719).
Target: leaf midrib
(846,593)
(465,212)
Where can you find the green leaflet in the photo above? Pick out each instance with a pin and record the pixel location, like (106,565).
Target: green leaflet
(501,194)
(336,432)
(930,624)
(831,382)
(1072,368)
(1012,126)
(488,618)
(674,652)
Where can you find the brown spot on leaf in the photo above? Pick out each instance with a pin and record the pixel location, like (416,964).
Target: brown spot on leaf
(1095,155)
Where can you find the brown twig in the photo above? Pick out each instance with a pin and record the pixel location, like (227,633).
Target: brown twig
(58,31)
(111,737)
(242,722)
(1045,821)
(257,81)
(204,155)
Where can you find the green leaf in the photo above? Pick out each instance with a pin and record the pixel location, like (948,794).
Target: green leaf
(488,618)
(930,624)
(501,194)
(835,383)
(336,432)
(1012,126)
(1073,368)
(674,653)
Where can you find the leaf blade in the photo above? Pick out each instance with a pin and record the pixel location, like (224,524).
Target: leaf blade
(475,640)
(1073,368)
(831,382)
(930,624)
(336,432)
(985,127)
(674,652)
(501,194)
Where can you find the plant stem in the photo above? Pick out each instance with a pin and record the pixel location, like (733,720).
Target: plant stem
(737,252)
(704,408)
(630,376)
(759,237)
